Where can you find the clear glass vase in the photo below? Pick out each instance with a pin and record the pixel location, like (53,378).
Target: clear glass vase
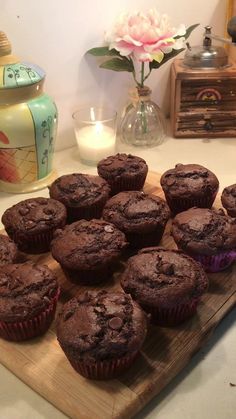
(143,123)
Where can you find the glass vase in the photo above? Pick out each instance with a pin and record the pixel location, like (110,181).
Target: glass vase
(143,123)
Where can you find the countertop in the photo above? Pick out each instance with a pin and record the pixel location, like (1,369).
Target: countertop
(206,387)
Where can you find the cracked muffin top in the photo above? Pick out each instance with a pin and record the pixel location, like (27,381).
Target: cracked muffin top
(26,289)
(86,244)
(135,211)
(8,250)
(189,180)
(158,277)
(34,215)
(228,199)
(204,231)
(101,326)
(79,190)
(121,164)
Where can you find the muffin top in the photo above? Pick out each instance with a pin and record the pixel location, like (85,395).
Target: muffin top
(164,278)
(135,211)
(228,199)
(86,244)
(34,215)
(79,190)
(8,250)
(204,231)
(26,289)
(189,180)
(100,326)
(121,165)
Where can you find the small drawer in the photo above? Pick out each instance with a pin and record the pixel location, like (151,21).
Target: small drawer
(213,94)
(210,124)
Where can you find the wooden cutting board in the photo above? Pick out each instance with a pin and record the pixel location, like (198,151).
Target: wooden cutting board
(41,364)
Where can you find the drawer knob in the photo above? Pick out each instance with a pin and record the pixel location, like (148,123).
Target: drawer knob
(208,126)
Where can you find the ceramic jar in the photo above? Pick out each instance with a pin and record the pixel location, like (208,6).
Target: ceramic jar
(28,123)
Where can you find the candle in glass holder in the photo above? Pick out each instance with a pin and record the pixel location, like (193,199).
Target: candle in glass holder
(95,142)
(95,133)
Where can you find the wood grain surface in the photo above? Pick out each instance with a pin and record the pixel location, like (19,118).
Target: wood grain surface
(41,364)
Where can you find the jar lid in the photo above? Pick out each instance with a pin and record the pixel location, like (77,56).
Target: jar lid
(206,55)
(13,72)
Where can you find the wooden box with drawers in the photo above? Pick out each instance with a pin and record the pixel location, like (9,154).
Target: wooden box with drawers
(203,102)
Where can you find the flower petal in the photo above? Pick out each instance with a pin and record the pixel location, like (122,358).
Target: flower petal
(158,56)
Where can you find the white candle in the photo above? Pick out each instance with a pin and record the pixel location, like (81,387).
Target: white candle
(95,142)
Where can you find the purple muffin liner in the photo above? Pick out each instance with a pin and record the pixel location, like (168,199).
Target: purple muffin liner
(86,213)
(174,315)
(134,183)
(182,204)
(34,243)
(216,263)
(28,329)
(103,370)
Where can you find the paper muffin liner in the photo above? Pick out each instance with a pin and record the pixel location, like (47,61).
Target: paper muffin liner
(86,213)
(174,315)
(103,370)
(145,239)
(216,263)
(35,243)
(183,204)
(134,183)
(30,328)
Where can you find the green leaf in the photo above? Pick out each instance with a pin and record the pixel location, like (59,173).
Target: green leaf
(102,51)
(188,31)
(167,57)
(118,64)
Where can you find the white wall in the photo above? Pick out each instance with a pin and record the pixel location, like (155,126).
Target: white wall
(55,34)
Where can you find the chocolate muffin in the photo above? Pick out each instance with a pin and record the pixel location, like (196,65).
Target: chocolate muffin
(123,172)
(28,298)
(140,216)
(83,195)
(101,333)
(228,199)
(8,251)
(32,222)
(189,185)
(207,235)
(88,250)
(166,283)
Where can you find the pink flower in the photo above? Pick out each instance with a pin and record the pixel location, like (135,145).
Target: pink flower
(145,36)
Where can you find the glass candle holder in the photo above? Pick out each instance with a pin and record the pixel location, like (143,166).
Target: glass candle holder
(95,131)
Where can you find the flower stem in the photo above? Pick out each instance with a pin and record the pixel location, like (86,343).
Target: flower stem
(143,118)
(142,74)
(148,74)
